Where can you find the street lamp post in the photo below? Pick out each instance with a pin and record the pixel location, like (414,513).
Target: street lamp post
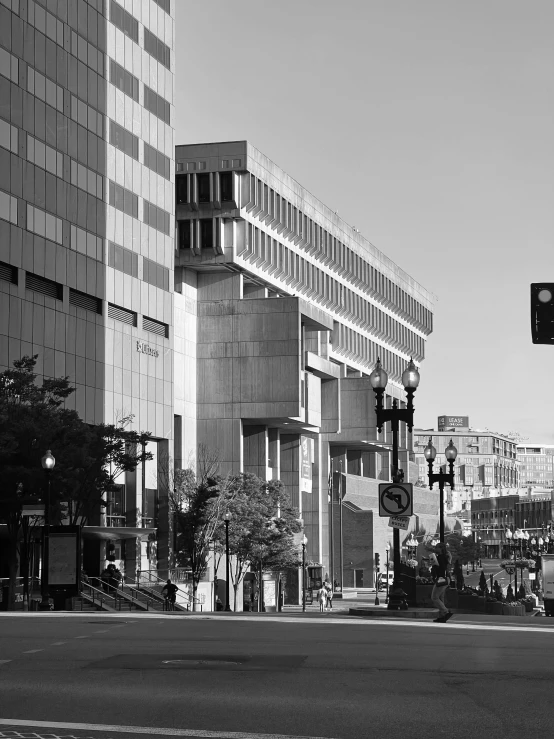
(441,477)
(227,518)
(513,536)
(387,548)
(410,380)
(48,462)
(304,542)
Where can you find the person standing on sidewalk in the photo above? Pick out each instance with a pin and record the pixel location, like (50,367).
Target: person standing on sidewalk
(329,596)
(322,598)
(440,572)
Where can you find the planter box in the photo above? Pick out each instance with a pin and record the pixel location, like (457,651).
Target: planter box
(452,599)
(497,608)
(423,595)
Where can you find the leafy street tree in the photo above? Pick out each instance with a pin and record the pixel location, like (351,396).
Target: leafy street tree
(261,528)
(88,458)
(198,510)
(463,548)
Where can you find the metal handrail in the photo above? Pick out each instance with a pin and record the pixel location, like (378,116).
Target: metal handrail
(138,595)
(157,579)
(108,598)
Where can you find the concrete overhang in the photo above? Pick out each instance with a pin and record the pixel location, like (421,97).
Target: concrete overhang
(292,425)
(362,445)
(322,367)
(101,532)
(314,317)
(106,533)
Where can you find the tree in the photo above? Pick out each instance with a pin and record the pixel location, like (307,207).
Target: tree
(463,548)
(261,528)
(88,458)
(483,583)
(198,510)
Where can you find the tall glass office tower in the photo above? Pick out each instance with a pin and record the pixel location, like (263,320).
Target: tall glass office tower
(86,229)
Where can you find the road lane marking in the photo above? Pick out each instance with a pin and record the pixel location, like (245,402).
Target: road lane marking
(104,631)
(199,733)
(80,637)
(4,661)
(32,651)
(57,643)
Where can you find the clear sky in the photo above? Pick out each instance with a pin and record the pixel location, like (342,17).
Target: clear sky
(426,124)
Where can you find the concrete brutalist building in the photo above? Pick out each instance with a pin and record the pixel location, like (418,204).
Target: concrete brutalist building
(281,310)
(87,230)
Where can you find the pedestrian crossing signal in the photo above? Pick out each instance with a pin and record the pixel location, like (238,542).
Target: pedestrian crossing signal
(542,312)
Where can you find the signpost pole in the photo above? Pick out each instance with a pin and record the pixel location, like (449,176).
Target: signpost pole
(396,477)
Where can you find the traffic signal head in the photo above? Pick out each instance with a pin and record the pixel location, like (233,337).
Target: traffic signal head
(542,312)
(377,560)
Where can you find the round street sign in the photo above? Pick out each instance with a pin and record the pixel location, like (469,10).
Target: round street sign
(395,499)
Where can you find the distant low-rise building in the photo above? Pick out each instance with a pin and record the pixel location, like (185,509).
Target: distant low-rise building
(536,463)
(486,465)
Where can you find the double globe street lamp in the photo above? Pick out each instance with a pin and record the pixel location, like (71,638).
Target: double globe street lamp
(443,478)
(410,380)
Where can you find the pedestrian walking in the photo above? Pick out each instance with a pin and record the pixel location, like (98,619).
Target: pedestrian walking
(440,572)
(322,598)
(329,594)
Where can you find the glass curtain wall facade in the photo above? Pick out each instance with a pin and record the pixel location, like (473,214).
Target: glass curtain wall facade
(86,224)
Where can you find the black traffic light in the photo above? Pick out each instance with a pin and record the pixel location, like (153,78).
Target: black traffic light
(377,561)
(542,312)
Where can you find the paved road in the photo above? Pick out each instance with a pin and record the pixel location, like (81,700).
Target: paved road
(266,677)
(492,567)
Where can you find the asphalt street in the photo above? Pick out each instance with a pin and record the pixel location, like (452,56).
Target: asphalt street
(245,677)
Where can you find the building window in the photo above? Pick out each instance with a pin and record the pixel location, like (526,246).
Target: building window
(157,48)
(123,199)
(124,80)
(8,136)
(115,508)
(156,104)
(9,66)
(8,208)
(156,161)
(150,508)
(164,5)
(155,274)
(124,21)
(226,184)
(206,233)
(203,188)
(184,235)
(156,217)
(123,259)
(44,224)
(181,188)
(87,243)
(124,140)
(86,179)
